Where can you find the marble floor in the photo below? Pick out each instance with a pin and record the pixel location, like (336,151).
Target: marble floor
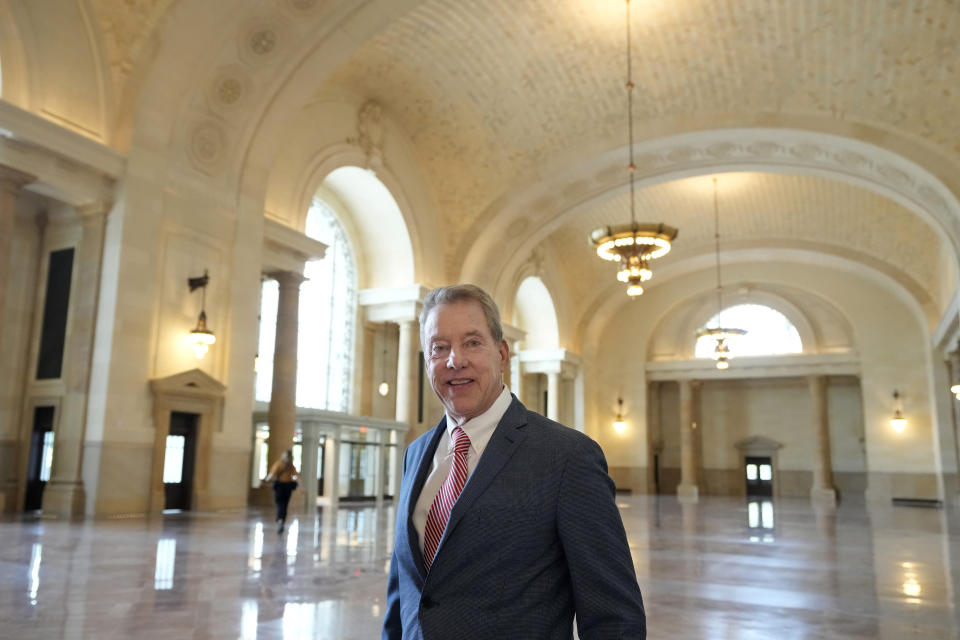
(720,569)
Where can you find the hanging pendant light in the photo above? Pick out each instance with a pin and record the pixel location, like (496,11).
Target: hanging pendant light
(719,333)
(200,336)
(632,245)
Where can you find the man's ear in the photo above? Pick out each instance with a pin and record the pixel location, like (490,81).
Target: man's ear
(504,355)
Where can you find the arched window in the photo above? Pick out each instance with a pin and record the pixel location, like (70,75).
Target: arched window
(768,332)
(534,313)
(328,309)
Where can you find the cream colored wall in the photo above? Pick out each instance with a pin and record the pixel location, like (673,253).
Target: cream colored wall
(777,408)
(879,316)
(167,228)
(70,83)
(17,321)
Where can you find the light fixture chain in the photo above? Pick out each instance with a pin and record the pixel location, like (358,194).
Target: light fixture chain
(716,240)
(633,167)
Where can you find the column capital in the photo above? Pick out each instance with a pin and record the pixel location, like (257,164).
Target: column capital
(95,209)
(12,180)
(286,278)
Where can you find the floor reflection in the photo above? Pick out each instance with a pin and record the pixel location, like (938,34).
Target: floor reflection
(760,520)
(716,569)
(36,557)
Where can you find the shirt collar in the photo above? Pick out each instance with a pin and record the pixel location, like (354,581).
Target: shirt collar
(480,429)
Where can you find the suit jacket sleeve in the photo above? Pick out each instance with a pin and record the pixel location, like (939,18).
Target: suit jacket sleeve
(392,623)
(605,590)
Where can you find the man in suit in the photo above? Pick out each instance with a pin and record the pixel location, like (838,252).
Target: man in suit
(506,521)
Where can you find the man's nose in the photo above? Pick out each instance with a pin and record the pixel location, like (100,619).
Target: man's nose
(455,360)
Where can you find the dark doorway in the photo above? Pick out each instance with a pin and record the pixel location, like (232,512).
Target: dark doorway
(321,457)
(178,460)
(41,457)
(759,475)
(656,473)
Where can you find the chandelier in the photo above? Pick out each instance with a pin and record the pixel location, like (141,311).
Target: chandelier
(632,245)
(720,335)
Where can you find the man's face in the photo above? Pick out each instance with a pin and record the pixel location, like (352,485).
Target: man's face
(464,363)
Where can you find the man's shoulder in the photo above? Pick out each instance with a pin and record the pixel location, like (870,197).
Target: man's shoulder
(560,434)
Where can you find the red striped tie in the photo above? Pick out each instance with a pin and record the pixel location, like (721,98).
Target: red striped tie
(446,497)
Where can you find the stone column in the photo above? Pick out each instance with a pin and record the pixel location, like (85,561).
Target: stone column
(553,395)
(516,375)
(953,375)
(654,435)
(822,491)
(308,467)
(408,369)
(282,415)
(688,489)
(331,467)
(11,181)
(64,495)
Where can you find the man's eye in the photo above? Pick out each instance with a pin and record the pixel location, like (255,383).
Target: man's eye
(438,348)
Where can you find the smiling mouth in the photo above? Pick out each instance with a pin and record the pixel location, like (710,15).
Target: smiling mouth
(457,383)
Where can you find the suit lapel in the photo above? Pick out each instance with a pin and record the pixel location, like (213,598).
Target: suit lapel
(503,443)
(426,463)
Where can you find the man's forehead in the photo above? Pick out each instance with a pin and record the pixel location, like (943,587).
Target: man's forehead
(468,319)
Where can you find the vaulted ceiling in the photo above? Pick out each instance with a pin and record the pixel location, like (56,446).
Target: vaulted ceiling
(507,97)
(494,91)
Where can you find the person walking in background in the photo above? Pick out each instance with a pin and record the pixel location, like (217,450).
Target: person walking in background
(284,476)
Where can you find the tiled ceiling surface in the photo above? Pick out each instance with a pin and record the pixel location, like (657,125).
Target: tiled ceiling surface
(490,90)
(762,208)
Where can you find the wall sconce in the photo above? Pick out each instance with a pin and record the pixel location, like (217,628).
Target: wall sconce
(955,390)
(619,425)
(898,422)
(200,337)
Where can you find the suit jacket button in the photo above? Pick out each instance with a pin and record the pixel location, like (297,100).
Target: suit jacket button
(426,603)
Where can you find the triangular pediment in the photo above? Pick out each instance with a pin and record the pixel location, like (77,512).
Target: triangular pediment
(193,382)
(758,444)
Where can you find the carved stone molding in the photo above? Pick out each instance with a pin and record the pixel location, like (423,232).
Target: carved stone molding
(262,41)
(229,89)
(370,134)
(206,146)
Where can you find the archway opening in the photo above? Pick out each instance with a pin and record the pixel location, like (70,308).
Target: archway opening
(769,332)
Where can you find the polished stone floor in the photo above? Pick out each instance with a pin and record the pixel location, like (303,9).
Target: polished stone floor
(720,569)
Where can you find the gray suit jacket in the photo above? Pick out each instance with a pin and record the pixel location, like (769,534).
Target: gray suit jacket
(534,538)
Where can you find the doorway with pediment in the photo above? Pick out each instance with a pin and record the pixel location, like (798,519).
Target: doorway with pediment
(187,408)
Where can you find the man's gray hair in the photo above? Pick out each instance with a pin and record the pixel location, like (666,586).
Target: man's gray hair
(463,293)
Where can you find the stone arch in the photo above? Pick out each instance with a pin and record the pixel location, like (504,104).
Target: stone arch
(531,213)
(372,224)
(678,326)
(608,301)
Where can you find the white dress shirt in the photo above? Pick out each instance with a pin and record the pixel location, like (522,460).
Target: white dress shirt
(479,430)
